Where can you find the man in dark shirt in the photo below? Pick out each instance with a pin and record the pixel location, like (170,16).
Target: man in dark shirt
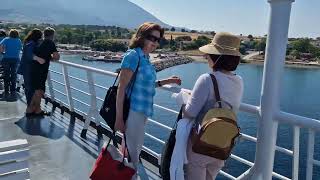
(44,53)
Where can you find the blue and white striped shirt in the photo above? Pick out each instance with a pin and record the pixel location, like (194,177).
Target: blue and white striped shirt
(144,87)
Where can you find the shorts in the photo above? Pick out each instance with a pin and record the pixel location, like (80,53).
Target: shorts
(39,74)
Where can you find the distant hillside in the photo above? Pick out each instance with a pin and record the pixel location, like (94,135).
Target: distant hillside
(95,12)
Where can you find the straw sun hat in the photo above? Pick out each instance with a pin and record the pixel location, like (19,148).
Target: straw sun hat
(223,44)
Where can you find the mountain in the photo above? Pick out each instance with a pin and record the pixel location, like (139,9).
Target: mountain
(121,13)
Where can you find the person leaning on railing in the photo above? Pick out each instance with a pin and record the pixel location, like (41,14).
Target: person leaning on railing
(11,47)
(145,41)
(44,53)
(31,41)
(223,58)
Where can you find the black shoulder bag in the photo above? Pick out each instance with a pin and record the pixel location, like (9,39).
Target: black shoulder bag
(167,151)
(108,110)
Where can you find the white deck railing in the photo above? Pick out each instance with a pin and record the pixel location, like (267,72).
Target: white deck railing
(297,122)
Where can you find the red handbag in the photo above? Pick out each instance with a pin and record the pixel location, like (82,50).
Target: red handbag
(111,165)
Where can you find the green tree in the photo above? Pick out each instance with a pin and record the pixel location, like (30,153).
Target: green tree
(261,45)
(108,45)
(243,49)
(295,53)
(173,29)
(183,38)
(194,31)
(202,40)
(302,45)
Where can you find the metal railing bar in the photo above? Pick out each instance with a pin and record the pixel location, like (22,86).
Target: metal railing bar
(167,109)
(98,71)
(151,152)
(244,161)
(316,162)
(229,176)
(100,99)
(278,148)
(302,122)
(60,92)
(102,87)
(55,72)
(279,176)
(154,138)
(62,84)
(83,92)
(310,155)
(296,152)
(81,102)
(78,79)
(160,124)
(79,111)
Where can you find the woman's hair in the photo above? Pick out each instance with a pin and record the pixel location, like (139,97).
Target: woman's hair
(3,33)
(33,35)
(144,30)
(225,62)
(13,33)
(48,32)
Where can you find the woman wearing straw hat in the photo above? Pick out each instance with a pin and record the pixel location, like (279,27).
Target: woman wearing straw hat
(223,57)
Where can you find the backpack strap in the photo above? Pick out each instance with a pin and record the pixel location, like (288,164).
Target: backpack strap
(216,90)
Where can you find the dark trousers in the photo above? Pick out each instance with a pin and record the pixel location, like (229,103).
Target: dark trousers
(10,74)
(28,89)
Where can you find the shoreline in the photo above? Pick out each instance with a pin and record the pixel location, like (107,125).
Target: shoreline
(261,62)
(180,58)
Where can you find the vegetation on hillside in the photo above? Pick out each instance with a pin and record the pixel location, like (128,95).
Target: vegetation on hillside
(97,37)
(103,38)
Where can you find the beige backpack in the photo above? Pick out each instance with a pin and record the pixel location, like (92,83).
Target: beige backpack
(216,134)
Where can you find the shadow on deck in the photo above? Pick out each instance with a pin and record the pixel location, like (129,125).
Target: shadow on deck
(56,149)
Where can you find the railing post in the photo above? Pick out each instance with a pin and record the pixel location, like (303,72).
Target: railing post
(93,111)
(67,87)
(296,152)
(50,86)
(273,67)
(310,155)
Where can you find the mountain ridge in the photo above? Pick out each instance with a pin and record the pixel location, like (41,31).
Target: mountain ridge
(122,13)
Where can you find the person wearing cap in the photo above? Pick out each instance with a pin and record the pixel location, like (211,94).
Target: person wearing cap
(223,58)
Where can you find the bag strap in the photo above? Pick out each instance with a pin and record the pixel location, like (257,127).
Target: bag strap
(113,139)
(126,148)
(216,90)
(133,78)
(178,117)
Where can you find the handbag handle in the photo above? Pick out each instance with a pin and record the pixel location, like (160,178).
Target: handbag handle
(125,145)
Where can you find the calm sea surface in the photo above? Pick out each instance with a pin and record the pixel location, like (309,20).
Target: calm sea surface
(299,95)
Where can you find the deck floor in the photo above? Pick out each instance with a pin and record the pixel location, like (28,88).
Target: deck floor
(56,149)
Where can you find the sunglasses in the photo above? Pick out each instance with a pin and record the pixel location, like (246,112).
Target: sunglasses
(153,38)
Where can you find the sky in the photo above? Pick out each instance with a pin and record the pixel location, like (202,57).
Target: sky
(235,16)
